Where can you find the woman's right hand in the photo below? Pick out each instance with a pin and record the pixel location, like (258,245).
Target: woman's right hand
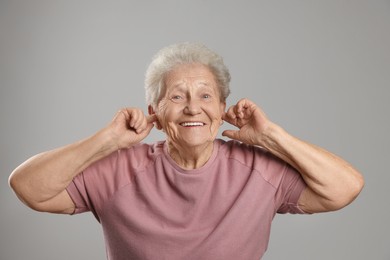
(130,126)
(41,181)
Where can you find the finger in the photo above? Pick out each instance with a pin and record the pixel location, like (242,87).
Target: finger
(241,107)
(230,113)
(146,127)
(226,117)
(151,118)
(154,119)
(121,113)
(133,118)
(149,127)
(136,120)
(141,125)
(146,122)
(232,134)
(237,109)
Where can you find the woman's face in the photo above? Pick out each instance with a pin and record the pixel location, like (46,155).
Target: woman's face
(190,109)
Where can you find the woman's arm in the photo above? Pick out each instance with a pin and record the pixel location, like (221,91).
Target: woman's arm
(332,182)
(41,181)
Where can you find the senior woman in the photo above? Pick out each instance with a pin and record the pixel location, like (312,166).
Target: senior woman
(191,196)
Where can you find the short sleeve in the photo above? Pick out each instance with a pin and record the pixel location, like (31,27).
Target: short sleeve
(289,190)
(287,183)
(98,182)
(92,187)
(77,192)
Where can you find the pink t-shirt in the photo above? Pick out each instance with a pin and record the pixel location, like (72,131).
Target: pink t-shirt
(150,208)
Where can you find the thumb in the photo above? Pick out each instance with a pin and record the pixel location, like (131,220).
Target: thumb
(232,134)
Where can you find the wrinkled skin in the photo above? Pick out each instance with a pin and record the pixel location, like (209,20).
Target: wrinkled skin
(190,113)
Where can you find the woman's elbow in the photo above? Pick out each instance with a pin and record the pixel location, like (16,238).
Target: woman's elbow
(20,188)
(357,185)
(350,192)
(13,182)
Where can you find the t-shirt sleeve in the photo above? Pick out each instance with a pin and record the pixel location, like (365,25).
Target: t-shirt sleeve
(289,190)
(287,183)
(91,188)
(98,182)
(77,192)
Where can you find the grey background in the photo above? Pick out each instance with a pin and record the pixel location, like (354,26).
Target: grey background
(321,69)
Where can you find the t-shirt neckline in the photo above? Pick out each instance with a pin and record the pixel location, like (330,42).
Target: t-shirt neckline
(192,171)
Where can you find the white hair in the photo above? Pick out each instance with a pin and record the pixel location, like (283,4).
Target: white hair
(184,53)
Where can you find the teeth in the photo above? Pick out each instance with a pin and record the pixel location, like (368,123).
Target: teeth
(192,124)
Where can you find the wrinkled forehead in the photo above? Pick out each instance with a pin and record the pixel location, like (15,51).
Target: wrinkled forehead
(186,75)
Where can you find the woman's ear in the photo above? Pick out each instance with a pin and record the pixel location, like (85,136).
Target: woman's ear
(152,112)
(222,107)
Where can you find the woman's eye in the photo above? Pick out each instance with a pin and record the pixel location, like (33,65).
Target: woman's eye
(177,98)
(206,96)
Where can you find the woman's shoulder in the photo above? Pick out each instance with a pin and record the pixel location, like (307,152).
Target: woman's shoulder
(142,153)
(235,148)
(250,155)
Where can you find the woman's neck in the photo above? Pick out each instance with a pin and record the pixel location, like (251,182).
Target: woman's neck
(193,157)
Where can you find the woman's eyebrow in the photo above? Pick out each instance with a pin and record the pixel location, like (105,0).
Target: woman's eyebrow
(206,86)
(178,87)
(204,83)
(181,85)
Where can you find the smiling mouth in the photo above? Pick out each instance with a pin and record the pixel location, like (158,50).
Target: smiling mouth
(192,124)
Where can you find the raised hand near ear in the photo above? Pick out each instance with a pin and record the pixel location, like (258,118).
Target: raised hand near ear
(130,126)
(251,121)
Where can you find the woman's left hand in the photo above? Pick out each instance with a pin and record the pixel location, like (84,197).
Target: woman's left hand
(251,121)
(332,183)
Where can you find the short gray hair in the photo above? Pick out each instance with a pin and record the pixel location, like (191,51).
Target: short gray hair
(184,53)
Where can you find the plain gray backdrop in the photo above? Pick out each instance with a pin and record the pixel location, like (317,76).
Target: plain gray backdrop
(320,69)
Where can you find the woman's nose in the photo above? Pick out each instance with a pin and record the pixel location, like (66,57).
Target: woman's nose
(192,107)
